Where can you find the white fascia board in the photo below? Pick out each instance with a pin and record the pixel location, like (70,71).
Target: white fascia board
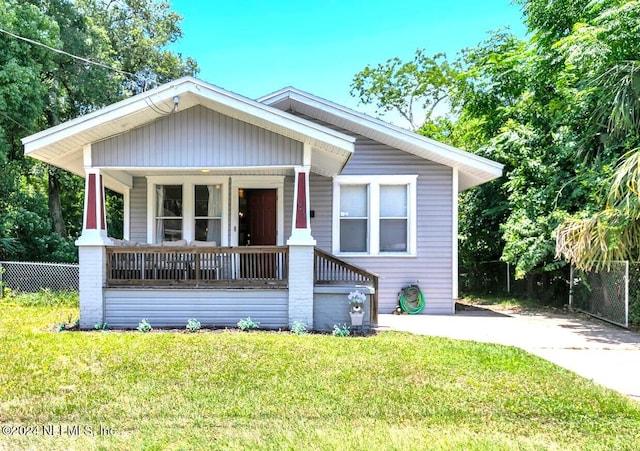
(91,120)
(421,144)
(181,86)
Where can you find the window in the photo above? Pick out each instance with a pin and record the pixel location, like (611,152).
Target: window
(354,218)
(187,208)
(374,215)
(393,218)
(208,213)
(168,213)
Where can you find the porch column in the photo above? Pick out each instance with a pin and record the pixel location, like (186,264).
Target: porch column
(91,250)
(301,252)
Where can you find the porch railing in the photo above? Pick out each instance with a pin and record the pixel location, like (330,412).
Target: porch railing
(329,269)
(157,266)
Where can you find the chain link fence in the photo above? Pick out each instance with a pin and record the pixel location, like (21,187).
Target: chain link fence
(32,277)
(497,278)
(611,294)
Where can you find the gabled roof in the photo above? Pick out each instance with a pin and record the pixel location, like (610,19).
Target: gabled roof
(472,169)
(64,143)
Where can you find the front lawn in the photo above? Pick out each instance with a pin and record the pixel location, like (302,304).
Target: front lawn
(168,390)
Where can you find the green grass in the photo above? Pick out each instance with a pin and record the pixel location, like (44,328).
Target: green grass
(229,390)
(504,302)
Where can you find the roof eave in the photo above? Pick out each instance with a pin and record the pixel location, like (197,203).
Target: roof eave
(419,145)
(138,103)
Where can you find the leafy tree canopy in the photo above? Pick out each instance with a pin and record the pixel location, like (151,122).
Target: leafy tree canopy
(40,88)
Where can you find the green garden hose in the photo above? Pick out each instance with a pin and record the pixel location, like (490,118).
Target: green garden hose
(411,300)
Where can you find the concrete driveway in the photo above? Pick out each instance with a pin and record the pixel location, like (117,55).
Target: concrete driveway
(593,349)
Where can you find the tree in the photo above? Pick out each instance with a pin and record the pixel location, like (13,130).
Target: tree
(128,35)
(612,90)
(403,87)
(45,88)
(22,102)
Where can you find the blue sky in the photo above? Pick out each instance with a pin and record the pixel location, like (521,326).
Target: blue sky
(254,47)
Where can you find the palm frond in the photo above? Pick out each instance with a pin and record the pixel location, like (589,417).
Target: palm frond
(595,242)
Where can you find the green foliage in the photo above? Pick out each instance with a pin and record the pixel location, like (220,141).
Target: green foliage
(634,310)
(404,86)
(341,331)
(101,326)
(247,324)
(144,326)
(299,328)
(558,111)
(611,90)
(69,325)
(193,325)
(43,298)
(41,206)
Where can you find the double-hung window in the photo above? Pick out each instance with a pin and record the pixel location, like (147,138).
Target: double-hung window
(208,213)
(168,213)
(394,218)
(374,215)
(354,218)
(191,209)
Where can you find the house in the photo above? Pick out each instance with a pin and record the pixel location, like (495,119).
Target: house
(273,208)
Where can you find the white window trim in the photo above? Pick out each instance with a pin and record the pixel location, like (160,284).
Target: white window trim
(188,195)
(373,183)
(262,182)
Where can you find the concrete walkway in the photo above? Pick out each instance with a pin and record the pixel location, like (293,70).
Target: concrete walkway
(593,349)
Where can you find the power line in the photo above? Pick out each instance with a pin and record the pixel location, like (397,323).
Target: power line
(62,52)
(14,121)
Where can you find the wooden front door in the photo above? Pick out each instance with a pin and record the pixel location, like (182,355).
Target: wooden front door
(259,217)
(258,227)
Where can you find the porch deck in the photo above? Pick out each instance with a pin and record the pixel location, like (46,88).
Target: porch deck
(138,278)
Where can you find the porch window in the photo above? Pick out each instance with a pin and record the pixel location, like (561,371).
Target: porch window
(375,215)
(168,213)
(208,213)
(191,208)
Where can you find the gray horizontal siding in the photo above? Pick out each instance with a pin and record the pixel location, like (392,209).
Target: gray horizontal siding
(320,201)
(330,307)
(197,137)
(124,308)
(138,211)
(433,263)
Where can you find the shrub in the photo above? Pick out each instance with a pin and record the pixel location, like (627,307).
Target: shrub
(101,326)
(248,324)
(68,325)
(299,328)
(144,326)
(341,331)
(193,325)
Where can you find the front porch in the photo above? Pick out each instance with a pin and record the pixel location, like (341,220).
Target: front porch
(221,285)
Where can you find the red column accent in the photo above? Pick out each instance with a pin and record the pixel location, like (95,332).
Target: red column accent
(91,203)
(301,206)
(102,215)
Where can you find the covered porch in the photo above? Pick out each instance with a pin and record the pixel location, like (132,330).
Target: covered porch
(254,272)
